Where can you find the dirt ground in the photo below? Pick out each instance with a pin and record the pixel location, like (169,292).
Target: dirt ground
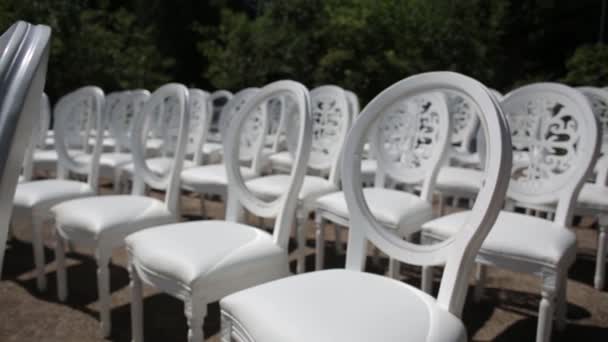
(508,311)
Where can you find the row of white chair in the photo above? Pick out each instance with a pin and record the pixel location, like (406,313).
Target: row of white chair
(555,142)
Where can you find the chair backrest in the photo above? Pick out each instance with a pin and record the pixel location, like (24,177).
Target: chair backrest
(9,45)
(121,123)
(555,139)
(200,119)
(498,95)
(252,139)
(112,103)
(354,108)
(21,85)
(172,100)
(598,98)
(410,139)
(76,116)
(458,252)
(331,122)
(38,138)
(283,207)
(465,123)
(218,100)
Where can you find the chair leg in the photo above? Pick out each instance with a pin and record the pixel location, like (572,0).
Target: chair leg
(62,279)
(38,252)
(546,310)
(320,242)
(600,261)
(338,242)
(393,268)
(561,303)
(441,205)
(195,311)
(137,313)
(480,282)
(103,290)
(301,237)
(426,284)
(203,207)
(116,183)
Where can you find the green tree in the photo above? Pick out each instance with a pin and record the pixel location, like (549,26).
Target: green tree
(588,66)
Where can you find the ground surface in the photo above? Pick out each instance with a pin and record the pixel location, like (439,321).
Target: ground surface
(508,311)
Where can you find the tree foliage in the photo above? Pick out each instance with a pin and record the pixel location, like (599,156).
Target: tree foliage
(362,45)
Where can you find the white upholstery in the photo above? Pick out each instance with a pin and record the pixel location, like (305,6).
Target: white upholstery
(211,148)
(515,236)
(271,187)
(48,192)
(214,257)
(281,160)
(368,167)
(593,196)
(393,208)
(215,174)
(340,305)
(158,165)
(115,159)
(459,179)
(109,218)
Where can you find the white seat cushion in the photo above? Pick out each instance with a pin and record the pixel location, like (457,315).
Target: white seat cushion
(215,174)
(158,165)
(340,305)
(273,186)
(114,159)
(459,179)
(393,208)
(109,218)
(212,148)
(45,156)
(461,158)
(516,236)
(215,257)
(282,160)
(593,196)
(369,167)
(48,192)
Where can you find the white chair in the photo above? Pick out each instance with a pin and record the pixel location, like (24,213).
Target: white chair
(120,126)
(553,126)
(593,198)
(409,142)
(37,139)
(203,261)
(45,156)
(331,121)
(24,51)
(198,125)
(461,178)
(352,305)
(33,200)
(103,222)
(212,179)
(212,149)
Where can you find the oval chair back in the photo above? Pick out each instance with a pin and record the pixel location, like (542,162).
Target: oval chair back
(76,115)
(169,101)
(38,140)
(199,124)
(465,124)
(555,144)
(598,98)
(331,121)
(409,141)
(283,207)
(407,98)
(217,101)
(250,136)
(121,124)
(22,77)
